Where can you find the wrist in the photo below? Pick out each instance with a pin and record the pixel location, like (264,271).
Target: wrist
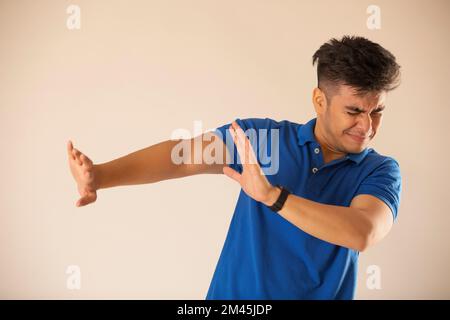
(97,171)
(272,196)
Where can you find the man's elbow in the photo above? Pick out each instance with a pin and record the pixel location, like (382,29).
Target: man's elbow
(365,238)
(362,245)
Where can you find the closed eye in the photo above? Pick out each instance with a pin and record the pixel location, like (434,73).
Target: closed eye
(355,110)
(356,113)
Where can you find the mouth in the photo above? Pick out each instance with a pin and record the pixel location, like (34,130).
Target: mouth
(357,138)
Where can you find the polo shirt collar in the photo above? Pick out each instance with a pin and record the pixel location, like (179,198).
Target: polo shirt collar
(305,133)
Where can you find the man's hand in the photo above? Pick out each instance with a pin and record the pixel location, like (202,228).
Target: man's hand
(252,180)
(82,170)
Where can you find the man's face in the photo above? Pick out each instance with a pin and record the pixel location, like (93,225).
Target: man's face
(350,121)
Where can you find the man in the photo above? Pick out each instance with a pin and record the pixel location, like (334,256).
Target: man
(295,233)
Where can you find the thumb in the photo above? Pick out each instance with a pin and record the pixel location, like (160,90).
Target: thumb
(233,174)
(86,199)
(82,202)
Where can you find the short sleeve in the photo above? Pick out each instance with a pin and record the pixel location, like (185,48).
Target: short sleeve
(247,125)
(385,183)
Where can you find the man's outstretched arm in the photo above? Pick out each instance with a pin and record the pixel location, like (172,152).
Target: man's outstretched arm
(148,165)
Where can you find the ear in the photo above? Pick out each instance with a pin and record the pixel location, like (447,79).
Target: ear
(319,100)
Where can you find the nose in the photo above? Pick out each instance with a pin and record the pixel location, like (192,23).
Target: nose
(365,125)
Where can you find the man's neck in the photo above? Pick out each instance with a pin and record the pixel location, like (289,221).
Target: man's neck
(328,153)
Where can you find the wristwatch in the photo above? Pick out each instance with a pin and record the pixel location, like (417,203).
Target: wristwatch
(278,205)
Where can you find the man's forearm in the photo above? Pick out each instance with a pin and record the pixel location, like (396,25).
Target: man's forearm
(147,165)
(344,226)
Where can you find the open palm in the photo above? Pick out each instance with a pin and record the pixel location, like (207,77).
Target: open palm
(82,170)
(252,179)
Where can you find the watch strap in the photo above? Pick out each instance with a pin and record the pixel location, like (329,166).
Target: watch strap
(278,205)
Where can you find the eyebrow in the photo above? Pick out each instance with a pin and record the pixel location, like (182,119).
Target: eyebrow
(358,109)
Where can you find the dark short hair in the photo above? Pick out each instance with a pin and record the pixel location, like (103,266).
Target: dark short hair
(357,62)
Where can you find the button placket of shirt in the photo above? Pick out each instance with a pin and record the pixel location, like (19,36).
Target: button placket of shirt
(313,182)
(318,161)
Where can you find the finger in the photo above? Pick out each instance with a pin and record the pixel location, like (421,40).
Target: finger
(251,152)
(248,148)
(85,160)
(244,146)
(239,132)
(232,174)
(239,146)
(69,150)
(77,155)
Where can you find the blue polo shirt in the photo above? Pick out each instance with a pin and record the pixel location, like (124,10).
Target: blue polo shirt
(267,257)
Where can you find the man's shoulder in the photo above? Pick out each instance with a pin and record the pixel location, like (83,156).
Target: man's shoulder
(266,123)
(377,160)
